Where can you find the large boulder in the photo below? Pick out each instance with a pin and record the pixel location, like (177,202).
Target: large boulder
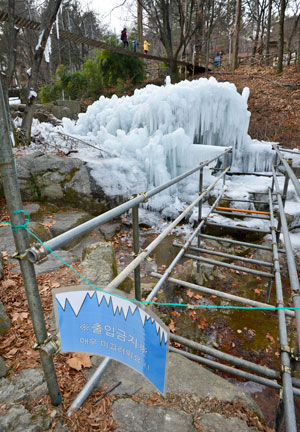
(60,180)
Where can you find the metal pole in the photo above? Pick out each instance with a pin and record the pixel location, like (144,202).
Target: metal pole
(35,254)
(136,248)
(289,408)
(231,266)
(225,255)
(251,245)
(236,361)
(289,170)
(200,212)
(290,258)
(14,203)
(180,254)
(221,294)
(284,194)
(231,370)
(241,214)
(238,228)
(89,386)
(275,166)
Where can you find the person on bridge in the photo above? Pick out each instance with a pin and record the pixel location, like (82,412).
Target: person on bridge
(124,37)
(146,46)
(135,44)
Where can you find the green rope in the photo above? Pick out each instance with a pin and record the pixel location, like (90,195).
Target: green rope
(24,226)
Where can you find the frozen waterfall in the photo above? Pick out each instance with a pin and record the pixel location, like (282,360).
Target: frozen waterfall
(154,135)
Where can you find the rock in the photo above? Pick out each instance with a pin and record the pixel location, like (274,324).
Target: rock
(99,263)
(6,240)
(52,263)
(61,180)
(135,417)
(183,376)
(27,385)
(61,111)
(19,419)
(73,106)
(40,230)
(3,368)
(34,211)
(66,221)
(218,423)
(109,230)
(127,285)
(4,320)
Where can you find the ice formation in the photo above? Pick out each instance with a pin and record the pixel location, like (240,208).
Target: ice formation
(160,132)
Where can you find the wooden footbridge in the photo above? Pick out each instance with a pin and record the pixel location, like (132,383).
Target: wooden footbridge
(34,25)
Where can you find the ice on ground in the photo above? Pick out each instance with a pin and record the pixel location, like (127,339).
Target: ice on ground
(158,125)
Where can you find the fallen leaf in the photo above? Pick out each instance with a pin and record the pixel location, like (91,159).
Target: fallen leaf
(79,361)
(55,285)
(239,331)
(198,297)
(175,313)
(270,338)
(190,293)
(19,316)
(172,326)
(257,290)
(8,283)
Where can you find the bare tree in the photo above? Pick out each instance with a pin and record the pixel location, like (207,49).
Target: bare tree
(268,32)
(174,22)
(47,21)
(281,35)
(236,34)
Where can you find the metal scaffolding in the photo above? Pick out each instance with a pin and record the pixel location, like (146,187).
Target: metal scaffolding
(279,379)
(282,379)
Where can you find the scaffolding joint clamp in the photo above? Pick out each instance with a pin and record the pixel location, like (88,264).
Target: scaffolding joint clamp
(38,251)
(295,293)
(286,369)
(286,348)
(50,346)
(145,196)
(18,257)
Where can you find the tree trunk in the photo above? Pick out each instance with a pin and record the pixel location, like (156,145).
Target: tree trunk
(199,32)
(50,16)
(140,25)
(236,35)
(7,78)
(281,35)
(268,33)
(209,30)
(298,60)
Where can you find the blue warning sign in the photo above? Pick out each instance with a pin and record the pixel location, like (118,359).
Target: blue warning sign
(95,322)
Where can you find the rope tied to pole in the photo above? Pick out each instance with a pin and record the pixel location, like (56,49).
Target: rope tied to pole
(19,227)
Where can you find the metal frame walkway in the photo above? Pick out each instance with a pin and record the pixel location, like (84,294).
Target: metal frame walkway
(282,379)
